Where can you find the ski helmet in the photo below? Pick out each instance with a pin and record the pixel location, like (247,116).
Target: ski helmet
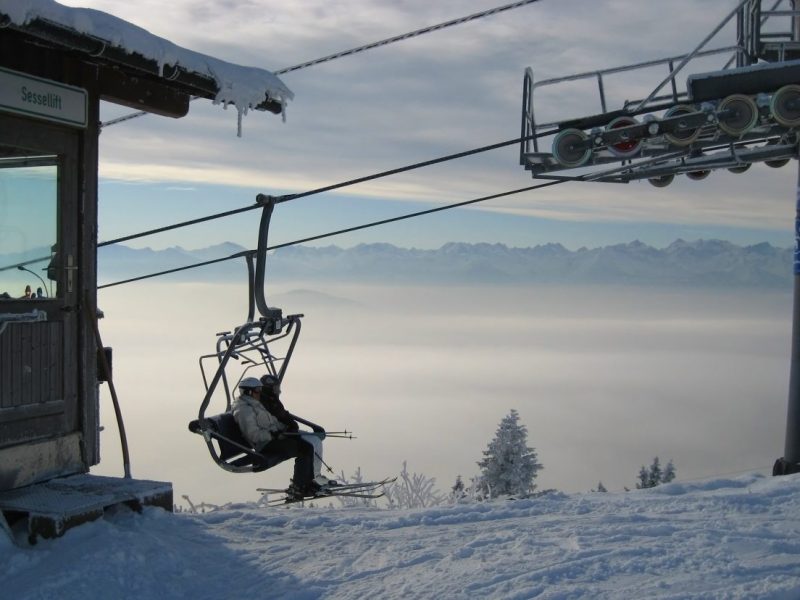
(249,383)
(272,385)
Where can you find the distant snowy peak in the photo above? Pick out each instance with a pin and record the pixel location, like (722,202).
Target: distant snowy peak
(698,263)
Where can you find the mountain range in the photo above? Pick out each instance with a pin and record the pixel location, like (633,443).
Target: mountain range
(698,263)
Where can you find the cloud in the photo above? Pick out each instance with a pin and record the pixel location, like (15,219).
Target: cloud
(430,96)
(604,379)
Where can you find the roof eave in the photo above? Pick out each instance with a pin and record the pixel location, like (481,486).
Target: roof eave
(104,54)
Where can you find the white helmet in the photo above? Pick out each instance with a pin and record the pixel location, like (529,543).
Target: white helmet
(249,383)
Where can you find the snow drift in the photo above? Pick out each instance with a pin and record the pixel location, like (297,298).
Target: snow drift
(723,538)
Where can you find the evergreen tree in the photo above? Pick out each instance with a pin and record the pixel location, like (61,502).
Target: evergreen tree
(600,487)
(654,475)
(644,479)
(669,473)
(509,465)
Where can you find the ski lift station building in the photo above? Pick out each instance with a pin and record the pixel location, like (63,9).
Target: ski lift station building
(56,65)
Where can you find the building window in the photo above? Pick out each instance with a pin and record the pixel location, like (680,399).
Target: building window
(28,226)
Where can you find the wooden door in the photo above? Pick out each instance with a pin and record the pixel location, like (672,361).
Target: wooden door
(39,348)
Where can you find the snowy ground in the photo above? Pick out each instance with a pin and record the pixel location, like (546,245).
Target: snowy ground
(721,538)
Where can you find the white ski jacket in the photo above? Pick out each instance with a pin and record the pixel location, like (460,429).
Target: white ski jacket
(258,425)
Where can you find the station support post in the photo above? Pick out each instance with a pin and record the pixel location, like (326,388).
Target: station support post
(790,463)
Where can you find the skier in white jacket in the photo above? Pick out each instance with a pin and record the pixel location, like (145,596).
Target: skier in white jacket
(273,431)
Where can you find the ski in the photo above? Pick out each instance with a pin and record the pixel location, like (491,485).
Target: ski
(365,490)
(286,500)
(354,495)
(365,485)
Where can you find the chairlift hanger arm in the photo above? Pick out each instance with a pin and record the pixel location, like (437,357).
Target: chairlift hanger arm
(294,320)
(251,270)
(261,257)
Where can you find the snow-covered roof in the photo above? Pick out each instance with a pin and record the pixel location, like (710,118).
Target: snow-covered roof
(243,87)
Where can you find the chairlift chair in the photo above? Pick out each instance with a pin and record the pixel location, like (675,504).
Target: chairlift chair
(249,346)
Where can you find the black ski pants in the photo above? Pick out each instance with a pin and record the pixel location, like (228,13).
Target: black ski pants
(295,447)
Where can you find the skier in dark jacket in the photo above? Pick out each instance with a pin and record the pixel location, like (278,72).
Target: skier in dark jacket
(272,430)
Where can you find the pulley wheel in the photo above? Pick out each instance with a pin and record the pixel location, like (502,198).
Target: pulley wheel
(662,181)
(785,105)
(682,136)
(569,148)
(737,114)
(777,164)
(739,169)
(629,147)
(698,175)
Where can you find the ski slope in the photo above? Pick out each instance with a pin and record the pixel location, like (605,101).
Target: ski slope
(723,538)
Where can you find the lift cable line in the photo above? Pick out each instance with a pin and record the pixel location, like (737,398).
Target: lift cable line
(245,253)
(364,48)
(265,199)
(405,36)
(320,190)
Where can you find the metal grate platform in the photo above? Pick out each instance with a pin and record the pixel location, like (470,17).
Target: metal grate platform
(53,507)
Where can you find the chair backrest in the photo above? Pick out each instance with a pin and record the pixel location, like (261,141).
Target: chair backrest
(235,453)
(225,425)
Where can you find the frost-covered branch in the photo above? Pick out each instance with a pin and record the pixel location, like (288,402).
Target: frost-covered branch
(413,490)
(354,502)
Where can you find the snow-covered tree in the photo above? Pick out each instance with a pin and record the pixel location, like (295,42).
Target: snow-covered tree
(459,491)
(509,466)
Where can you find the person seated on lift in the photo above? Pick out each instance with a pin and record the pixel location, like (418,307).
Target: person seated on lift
(271,430)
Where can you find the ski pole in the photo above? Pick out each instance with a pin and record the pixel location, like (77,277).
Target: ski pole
(324,463)
(334,434)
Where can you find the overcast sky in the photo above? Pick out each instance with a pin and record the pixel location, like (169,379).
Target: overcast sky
(430,96)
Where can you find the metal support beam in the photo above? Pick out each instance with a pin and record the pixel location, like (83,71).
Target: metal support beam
(790,463)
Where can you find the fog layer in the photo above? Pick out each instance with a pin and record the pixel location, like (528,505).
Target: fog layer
(604,378)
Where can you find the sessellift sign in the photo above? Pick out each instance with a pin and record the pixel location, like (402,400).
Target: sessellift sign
(42,98)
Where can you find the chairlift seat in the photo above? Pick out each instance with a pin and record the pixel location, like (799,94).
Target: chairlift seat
(233,452)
